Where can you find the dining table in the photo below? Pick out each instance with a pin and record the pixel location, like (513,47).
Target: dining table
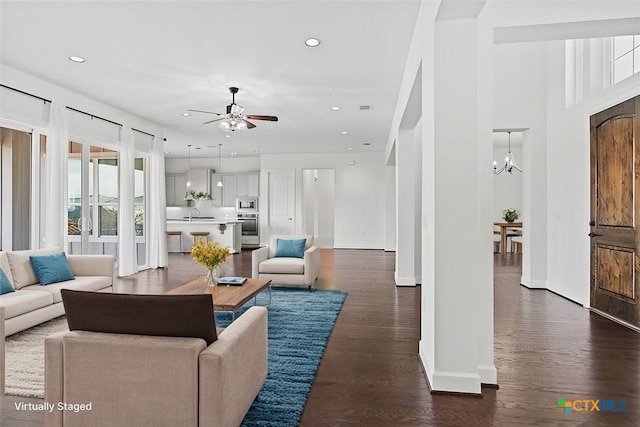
(504,231)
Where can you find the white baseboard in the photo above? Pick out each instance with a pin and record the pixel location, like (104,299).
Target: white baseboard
(404,281)
(451,382)
(533,284)
(488,374)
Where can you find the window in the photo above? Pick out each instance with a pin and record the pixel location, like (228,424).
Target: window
(139,201)
(107,196)
(625,57)
(93,196)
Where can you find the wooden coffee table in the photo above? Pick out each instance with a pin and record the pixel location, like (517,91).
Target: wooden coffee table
(225,297)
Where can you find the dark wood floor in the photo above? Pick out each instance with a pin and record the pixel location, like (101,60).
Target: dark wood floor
(546,347)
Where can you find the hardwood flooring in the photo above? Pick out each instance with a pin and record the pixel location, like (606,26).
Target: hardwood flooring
(546,347)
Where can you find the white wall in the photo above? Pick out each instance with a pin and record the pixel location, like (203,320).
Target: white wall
(359,194)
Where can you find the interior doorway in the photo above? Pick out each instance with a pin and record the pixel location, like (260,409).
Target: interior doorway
(318,202)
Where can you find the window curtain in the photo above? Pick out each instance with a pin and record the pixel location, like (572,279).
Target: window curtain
(127,264)
(55,233)
(157,218)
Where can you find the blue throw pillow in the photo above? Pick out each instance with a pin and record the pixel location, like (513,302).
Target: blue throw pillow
(5,285)
(51,268)
(293,248)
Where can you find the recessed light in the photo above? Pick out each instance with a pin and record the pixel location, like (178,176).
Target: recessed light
(256,150)
(186,114)
(344,132)
(335,108)
(227,135)
(77,59)
(312,42)
(349,148)
(233,153)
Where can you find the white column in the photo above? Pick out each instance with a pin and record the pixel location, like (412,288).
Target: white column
(457,330)
(405,208)
(390,207)
(534,203)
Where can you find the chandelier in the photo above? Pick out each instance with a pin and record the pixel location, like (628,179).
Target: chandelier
(509,162)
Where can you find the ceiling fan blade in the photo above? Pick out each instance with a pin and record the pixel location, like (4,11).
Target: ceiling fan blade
(214,120)
(267,118)
(249,124)
(207,112)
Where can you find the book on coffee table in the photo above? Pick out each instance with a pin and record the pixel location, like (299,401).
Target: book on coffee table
(232,280)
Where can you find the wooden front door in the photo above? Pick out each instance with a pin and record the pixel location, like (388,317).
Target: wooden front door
(615,210)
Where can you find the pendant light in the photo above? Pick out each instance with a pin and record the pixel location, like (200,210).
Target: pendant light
(220,181)
(188,189)
(509,162)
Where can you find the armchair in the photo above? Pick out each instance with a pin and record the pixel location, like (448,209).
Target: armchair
(156,379)
(286,270)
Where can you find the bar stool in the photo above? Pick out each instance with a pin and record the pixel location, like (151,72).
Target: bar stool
(174,233)
(204,235)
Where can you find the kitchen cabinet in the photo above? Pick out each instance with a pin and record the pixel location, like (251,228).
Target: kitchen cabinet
(229,190)
(200,180)
(247,184)
(175,184)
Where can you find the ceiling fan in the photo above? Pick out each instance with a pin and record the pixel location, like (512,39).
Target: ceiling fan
(234,120)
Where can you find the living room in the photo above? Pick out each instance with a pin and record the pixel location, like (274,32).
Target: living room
(390,195)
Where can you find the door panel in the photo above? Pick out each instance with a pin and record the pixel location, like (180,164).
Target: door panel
(615,271)
(615,172)
(615,164)
(281,202)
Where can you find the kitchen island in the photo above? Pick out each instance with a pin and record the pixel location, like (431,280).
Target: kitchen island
(225,232)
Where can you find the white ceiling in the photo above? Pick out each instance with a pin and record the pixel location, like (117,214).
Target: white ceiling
(156,59)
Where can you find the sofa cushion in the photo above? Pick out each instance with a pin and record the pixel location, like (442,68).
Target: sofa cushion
(21,302)
(52,268)
(4,265)
(5,284)
(282,266)
(21,269)
(290,248)
(157,315)
(273,241)
(82,283)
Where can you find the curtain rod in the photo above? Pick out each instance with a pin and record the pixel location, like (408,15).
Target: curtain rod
(93,116)
(26,93)
(71,108)
(141,131)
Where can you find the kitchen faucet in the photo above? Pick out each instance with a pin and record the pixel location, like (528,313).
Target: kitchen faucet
(191,213)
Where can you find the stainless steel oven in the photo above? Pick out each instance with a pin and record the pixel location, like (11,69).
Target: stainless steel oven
(250,229)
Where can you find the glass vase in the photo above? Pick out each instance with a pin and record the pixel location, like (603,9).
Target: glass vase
(212,277)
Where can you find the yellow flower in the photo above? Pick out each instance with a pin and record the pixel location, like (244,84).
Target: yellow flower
(209,254)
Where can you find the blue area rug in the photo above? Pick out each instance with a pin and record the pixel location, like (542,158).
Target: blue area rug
(300,323)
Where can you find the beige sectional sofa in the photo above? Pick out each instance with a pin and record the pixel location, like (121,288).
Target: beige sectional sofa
(31,303)
(166,367)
